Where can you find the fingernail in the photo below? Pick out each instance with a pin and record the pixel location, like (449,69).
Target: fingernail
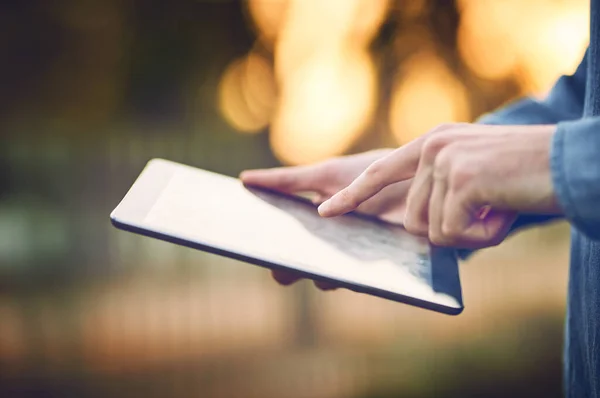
(323,209)
(244,174)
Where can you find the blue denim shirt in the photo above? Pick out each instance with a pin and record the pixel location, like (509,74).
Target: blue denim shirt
(574,105)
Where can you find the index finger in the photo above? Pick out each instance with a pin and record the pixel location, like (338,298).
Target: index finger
(286,179)
(398,166)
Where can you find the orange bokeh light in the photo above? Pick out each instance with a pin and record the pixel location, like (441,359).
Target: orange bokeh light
(312,25)
(247,94)
(324,107)
(427,94)
(535,40)
(269,17)
(483,41)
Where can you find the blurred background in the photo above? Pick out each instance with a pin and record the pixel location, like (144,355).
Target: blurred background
(91,90)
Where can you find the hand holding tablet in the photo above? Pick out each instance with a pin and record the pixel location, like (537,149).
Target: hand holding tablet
(218,214)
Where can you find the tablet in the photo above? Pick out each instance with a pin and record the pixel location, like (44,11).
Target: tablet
(218,214)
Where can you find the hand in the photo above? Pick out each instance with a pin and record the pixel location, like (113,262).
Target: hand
(326,179)
(469,182)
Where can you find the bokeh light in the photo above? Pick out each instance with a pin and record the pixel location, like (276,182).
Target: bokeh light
(558,39)
(484,38)
(326,76)
(312,25)
(324,107)
(367,18)
(536,40)
(247,93)
(427,94)
(268,17)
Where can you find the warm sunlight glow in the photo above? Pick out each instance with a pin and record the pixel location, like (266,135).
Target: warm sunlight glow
(326,77)
(268,17)
(312,25)
(324,107)
(247,94)
(560,37)
(535,40)
(368,17)
(428,94)
(483,40)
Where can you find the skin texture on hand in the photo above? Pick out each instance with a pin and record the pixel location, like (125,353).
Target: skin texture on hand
(460,185)
(327,178)
(324,180)
(469,182)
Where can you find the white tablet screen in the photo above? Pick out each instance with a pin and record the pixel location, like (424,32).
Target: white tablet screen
(218,211)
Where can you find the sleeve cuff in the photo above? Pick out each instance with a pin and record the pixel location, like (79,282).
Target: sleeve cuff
(525,111)
(575,168)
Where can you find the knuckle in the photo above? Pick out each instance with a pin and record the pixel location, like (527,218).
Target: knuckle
(415,226)
(409,224)
(451,231)
(460,175)
(375,169)
(433,146)
(443,163)
(375,173)
(443,127)
(437,238)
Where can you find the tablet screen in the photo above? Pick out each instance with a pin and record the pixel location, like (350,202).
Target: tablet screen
(218,211)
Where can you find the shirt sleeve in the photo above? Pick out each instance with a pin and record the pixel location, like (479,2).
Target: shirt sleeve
(575,166)
(563,106)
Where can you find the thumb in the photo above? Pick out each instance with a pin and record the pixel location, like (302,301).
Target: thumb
(475,226)
(489,229)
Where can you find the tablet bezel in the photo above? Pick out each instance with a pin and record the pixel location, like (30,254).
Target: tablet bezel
(133,208)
